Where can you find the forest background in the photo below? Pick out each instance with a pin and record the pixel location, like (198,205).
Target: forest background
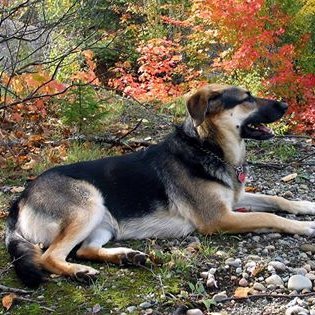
(85,79)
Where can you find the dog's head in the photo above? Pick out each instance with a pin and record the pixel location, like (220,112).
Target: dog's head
(231,109)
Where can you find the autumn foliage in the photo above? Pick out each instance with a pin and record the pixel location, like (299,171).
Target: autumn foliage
(159,52)
(216,40)
(160,73)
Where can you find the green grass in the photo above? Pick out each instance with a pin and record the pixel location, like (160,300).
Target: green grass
(271,151)
(115,288)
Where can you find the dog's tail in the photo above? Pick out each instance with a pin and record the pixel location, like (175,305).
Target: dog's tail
(25,255)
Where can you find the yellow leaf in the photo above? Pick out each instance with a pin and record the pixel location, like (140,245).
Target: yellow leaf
(8,300)
(258,269)
(242,292)
(17,189)
(29,165)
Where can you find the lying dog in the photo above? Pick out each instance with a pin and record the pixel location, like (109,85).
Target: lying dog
(191,181)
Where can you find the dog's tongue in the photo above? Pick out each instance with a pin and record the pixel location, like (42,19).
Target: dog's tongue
(264,129)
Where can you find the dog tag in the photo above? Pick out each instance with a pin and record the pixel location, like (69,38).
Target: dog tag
(241,176)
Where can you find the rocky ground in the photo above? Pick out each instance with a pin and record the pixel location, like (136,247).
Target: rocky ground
(224,274)
(265,266)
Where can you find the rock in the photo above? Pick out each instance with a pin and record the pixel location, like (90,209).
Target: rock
(238,270)
(300,271)
(311,263)
(288,194)
(212,271)
(277,265)
(221,253)
(275,280)
(296,310)
(220,296)
(299,282)
(311,276)
(131,308)
(259,287)
(211,282)
(145,305)
(272,236)
(194,311)
(243,282)
(303,256)
(204,274)
(308,248)
(233,262)
(270,247)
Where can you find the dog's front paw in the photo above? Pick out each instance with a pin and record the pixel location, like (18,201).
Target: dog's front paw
(84,274)
(307,228)
(302,207)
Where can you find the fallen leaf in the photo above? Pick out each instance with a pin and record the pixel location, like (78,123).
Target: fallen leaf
(3,214)
(289,177)
(8,300)
(250,189)
(29,165)
(242,292)
(258,269)
(17,189)
(193,247)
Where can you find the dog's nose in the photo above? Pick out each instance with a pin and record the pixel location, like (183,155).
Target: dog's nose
(284,106)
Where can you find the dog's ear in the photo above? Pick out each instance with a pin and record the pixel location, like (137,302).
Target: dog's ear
(198,103)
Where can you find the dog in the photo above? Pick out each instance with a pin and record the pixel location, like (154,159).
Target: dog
(193,180)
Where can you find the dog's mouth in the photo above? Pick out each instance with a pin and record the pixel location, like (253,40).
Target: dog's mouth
(257,131)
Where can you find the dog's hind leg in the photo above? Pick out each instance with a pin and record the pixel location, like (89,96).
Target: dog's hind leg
(78,229)
(91,249)
(257,202)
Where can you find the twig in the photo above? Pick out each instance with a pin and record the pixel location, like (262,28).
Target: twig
(294,136)
(127,134)
(305,157)
(6,269)
(266,295)
(20,298)
(14,290)
(272,165)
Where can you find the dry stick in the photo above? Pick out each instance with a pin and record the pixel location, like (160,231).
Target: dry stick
(14,290)
(127,134)
(20,298)
(6,269)
(295,136)
(266,295)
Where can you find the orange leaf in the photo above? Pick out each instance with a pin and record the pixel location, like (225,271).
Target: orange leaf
(8,300)
(242,292)
(16,117)
(250,189)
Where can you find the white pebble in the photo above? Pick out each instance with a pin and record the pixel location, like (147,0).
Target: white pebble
(259,287)
(277,265)
(296,310)
(299,282)
(194,311)
(275,280)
